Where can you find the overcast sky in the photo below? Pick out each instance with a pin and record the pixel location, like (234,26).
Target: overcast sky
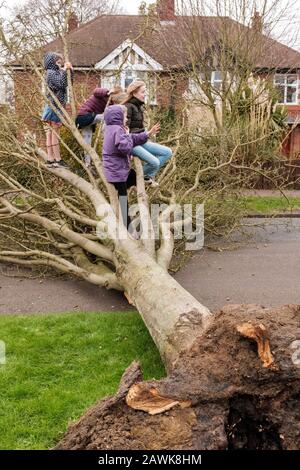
(132,5)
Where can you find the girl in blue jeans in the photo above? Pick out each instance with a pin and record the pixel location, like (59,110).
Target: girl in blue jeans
(154,155)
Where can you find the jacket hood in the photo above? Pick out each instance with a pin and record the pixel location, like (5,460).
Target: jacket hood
(49,61)
(114,115)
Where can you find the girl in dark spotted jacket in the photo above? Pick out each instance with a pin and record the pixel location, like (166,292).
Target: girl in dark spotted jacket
(57,83)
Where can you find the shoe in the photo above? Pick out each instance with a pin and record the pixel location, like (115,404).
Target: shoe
(51,164)
(62,164)
(151,182)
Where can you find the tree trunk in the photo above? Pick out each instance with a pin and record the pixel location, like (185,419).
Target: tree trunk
(233,380)
(172,315)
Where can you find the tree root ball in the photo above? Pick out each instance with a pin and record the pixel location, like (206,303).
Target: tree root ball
(237,387)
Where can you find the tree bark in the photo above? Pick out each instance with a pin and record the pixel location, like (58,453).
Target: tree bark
(172,315)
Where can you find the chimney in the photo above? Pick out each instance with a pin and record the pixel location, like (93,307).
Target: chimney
(72,22)
(257,22)
(166,10)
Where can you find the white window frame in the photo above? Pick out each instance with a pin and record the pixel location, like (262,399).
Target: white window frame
(286,85)
(214,80)
(194,85)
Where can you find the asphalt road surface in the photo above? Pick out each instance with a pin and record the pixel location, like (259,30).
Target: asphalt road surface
(260,265)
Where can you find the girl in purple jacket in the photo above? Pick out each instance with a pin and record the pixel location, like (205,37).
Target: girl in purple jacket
(117,147)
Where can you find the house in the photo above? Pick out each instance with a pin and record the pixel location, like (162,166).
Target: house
(121,48)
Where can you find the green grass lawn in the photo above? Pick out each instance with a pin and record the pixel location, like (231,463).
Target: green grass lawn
(269,204)
(59,365)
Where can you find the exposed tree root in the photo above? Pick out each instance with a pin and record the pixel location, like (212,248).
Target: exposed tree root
(222,393)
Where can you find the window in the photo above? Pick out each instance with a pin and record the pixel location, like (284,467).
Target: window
(287,86)
(197,90)
(127,76)
(216,80)
(193,88)
(109,80)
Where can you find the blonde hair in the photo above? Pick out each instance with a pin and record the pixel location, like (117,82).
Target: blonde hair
(118,98)
(132,88)
(116,90)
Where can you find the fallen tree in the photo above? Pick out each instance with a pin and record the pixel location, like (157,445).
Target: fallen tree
(233,377)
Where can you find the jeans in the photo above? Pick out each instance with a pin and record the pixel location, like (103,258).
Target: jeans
(87,134)
(154,155)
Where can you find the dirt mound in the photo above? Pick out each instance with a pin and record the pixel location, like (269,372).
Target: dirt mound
(238,387)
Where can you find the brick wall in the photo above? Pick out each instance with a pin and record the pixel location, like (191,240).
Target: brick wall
(165,90)
(295,143)
(170,89)
(29,102)
(84,84)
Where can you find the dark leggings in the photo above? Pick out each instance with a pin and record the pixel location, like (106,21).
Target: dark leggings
(122,191)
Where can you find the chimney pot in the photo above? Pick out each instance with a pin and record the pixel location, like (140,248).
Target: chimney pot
(166,10)
(72,22)
(257,22)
